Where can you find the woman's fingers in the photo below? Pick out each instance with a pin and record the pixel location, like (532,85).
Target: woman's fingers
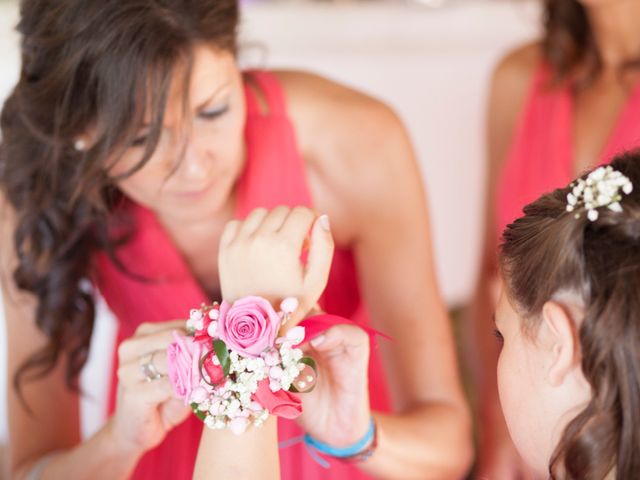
(150,393)
(340,336)
(148,328)
(173,412)
(316,274)
(137,346)
(131,372)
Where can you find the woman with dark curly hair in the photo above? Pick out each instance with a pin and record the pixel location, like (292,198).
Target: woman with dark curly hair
(557,107)
(131,139)
(568,321)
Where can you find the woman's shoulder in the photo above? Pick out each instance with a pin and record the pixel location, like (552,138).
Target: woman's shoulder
(515,69)
(326,112)
(510,83)
(344,134)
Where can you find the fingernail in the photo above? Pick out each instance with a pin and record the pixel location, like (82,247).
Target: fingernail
(317,341)
(324,222)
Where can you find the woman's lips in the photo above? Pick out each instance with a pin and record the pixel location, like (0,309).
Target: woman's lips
(198,192)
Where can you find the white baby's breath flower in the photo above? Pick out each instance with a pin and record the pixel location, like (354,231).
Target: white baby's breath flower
(600,189)
(210,421)
(616,207)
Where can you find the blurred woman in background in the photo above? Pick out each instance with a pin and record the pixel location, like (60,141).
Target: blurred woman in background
(557,107)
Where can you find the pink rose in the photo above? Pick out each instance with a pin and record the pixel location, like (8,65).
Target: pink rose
(281,403)
(249,326)
(183,365)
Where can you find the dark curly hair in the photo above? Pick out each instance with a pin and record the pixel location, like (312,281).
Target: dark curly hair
(86,64)
(569,45)
(548,250)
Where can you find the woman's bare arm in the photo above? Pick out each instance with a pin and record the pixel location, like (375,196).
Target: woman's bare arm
(509,86)
(364,174)
(53,427)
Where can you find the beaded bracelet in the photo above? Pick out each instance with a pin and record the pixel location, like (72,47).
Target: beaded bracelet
(358,452)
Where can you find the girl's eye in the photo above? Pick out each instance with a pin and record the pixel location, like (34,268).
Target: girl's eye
(214,112)
(498,335)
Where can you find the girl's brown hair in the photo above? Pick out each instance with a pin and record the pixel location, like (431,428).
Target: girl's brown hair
(86,64)
(548,250)
(569,45)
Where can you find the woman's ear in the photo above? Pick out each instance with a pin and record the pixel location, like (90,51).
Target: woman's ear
(562,342)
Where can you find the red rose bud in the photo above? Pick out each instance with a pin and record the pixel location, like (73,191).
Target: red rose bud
(281,403)
(214,372)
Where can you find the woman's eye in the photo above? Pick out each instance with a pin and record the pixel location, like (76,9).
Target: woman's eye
(498,335)
(214,112)
(140,141)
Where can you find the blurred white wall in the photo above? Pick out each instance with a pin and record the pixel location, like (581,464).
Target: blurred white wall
(432,66)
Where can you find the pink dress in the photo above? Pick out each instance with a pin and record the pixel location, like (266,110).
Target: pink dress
(541,155)
(274,175)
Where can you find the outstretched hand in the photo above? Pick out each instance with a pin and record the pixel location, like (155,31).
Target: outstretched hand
(337,410)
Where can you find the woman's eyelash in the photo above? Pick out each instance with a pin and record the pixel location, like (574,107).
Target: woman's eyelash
(206,114)
(498,335)
(214,112)
(141,140)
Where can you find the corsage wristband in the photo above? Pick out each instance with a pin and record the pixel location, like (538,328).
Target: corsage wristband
(358,452)
(234,369)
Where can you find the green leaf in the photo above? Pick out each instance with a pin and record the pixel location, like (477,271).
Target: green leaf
(201,415)
(222,352)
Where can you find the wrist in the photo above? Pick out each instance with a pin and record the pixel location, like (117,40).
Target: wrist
(357,451)
(118,448)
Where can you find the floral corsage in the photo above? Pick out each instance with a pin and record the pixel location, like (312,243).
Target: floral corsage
(234,370)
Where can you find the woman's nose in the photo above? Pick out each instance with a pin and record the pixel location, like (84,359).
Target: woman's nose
(196,161)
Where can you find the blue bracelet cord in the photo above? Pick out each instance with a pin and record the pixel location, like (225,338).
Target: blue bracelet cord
(314,446)
(344,452)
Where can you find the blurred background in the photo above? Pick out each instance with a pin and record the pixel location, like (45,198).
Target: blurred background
(430,60)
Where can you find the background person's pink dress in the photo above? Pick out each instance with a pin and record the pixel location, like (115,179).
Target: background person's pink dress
(541,156)
(274,175)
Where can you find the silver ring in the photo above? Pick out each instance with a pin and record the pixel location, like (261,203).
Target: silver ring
(148,368)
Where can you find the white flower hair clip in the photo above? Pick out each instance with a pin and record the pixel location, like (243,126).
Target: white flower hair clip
(601,188)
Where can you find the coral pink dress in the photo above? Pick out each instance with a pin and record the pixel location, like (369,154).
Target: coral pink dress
(541,155)
(274,175)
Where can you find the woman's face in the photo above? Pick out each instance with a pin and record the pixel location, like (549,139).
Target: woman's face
(200,153)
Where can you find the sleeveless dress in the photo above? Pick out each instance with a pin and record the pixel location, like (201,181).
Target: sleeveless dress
(274,175)
(541,155)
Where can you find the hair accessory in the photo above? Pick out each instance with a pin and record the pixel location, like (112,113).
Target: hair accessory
(601,188)
(234,368)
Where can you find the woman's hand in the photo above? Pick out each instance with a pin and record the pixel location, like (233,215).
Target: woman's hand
(337,410)
(262,256)
(146,410)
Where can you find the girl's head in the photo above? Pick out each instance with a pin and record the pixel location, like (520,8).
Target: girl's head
(136,96)
(569,370)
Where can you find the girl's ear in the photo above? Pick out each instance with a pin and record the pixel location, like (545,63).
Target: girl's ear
(562,334)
